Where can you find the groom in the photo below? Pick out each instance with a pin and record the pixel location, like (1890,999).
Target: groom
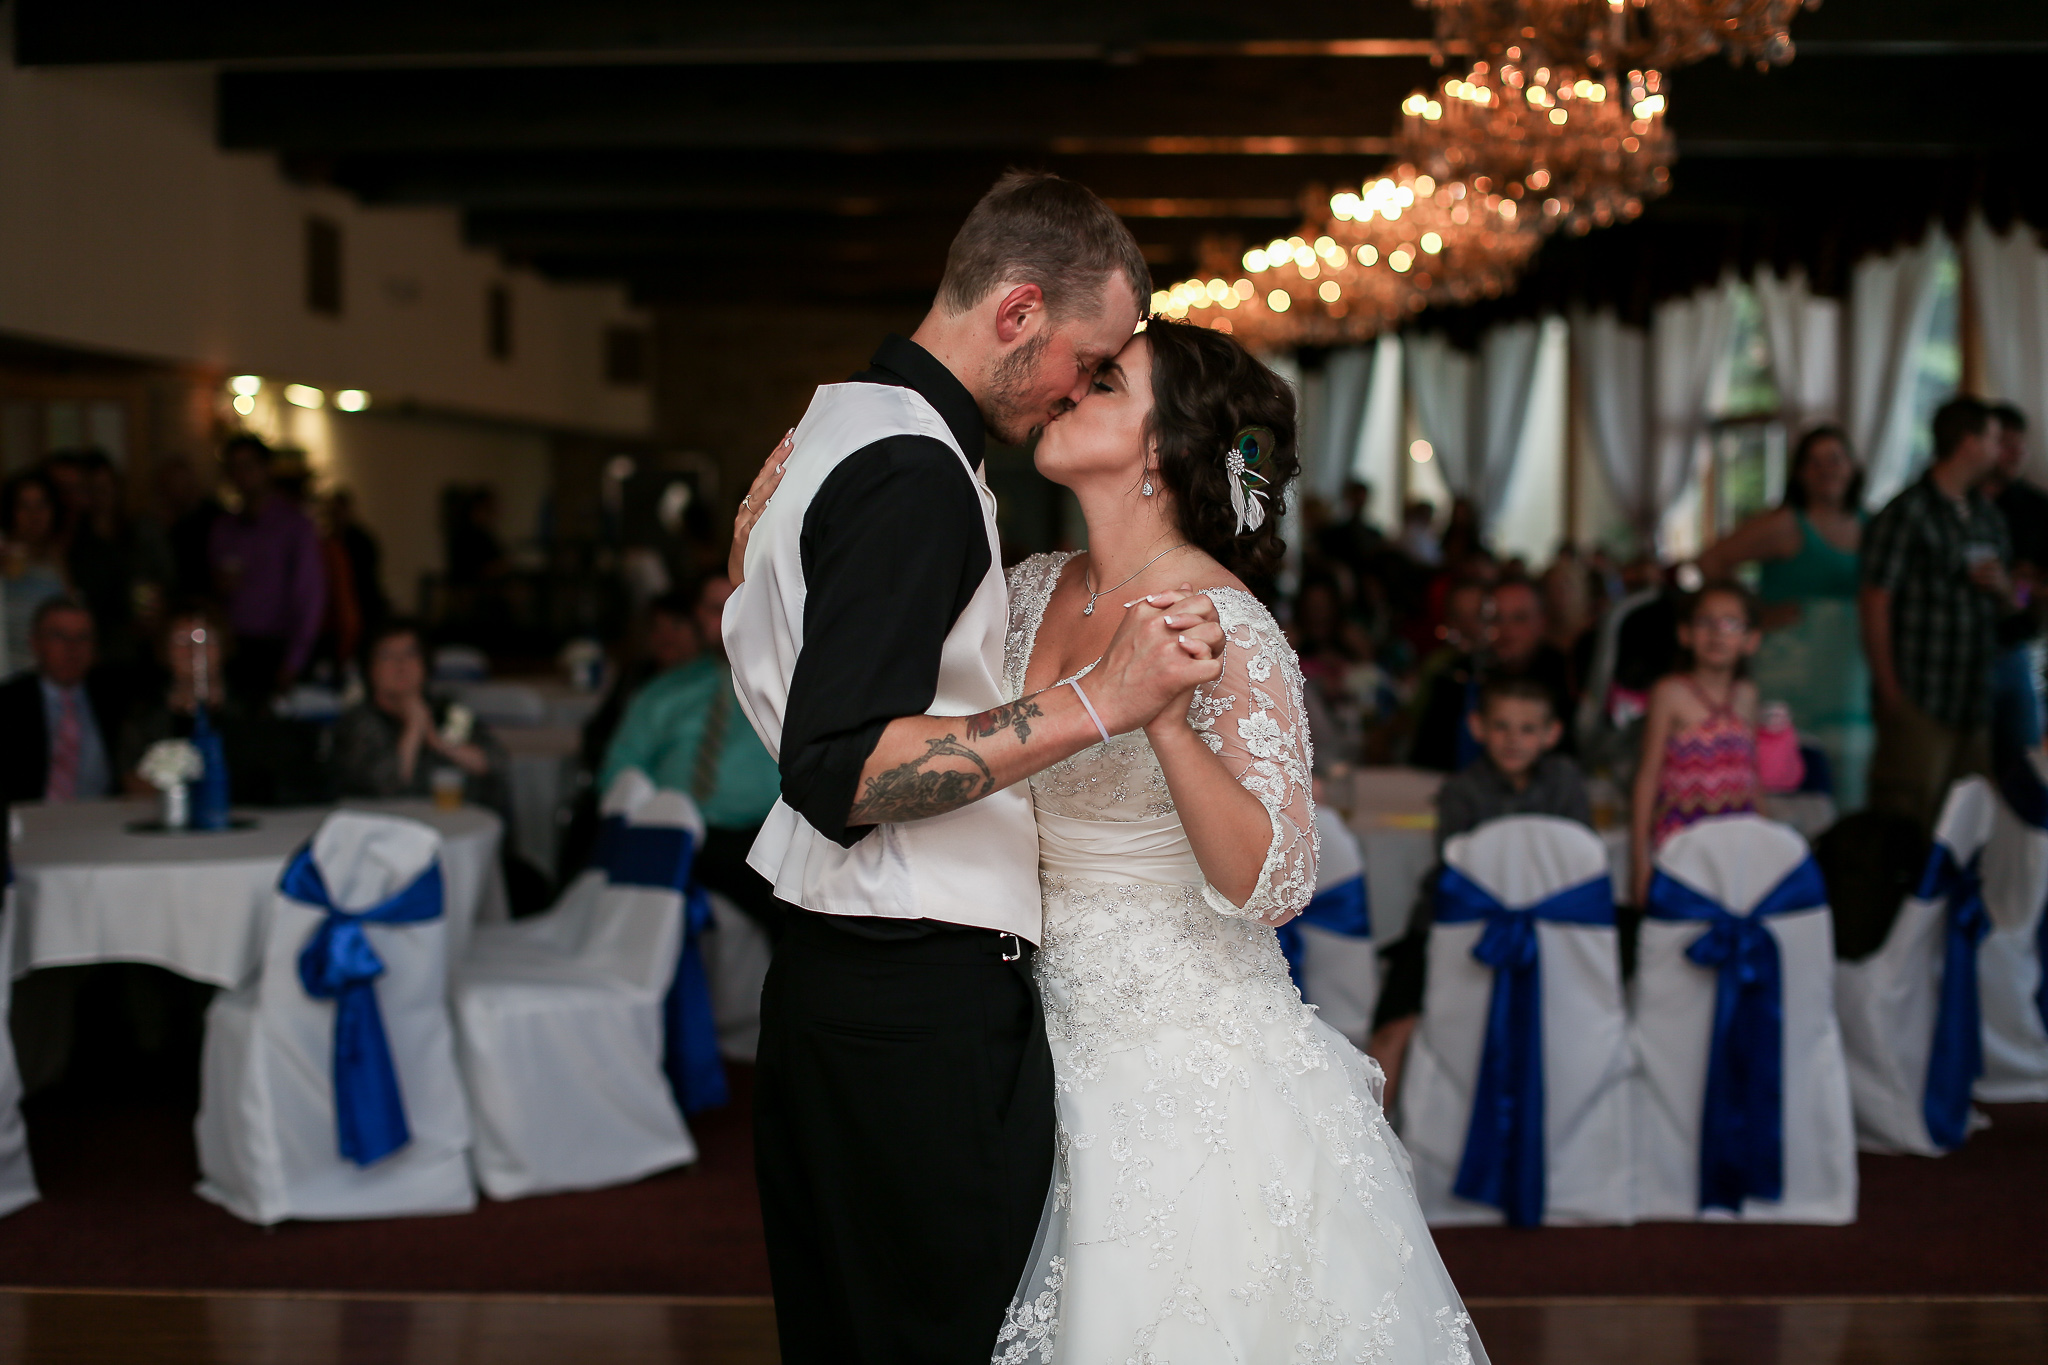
(904,1092)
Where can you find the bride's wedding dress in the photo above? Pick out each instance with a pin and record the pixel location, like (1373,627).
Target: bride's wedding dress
(1227,1188)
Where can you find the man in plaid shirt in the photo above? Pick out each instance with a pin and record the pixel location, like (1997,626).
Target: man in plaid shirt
(1935,597)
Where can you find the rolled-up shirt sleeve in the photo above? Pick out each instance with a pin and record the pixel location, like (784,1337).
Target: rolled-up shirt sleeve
(893,548)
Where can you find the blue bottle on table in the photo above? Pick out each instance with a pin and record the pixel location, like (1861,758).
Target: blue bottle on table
(210,792)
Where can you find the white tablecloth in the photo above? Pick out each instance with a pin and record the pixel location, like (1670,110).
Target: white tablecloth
(87,889)
(1393,813)
(542,779)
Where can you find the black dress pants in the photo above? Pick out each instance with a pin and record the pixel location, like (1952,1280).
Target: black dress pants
(903,1139)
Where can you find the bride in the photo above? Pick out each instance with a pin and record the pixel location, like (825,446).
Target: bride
(1227,1188)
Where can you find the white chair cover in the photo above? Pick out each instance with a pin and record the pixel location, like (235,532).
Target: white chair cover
(1339,962)
(2009,987)
(559,1020)
(1888,1002)
(736,957)
(1525,861)
(1737,862)
(17,1179)
(268,1124)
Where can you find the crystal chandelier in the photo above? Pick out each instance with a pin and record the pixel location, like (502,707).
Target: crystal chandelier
(1613,36)
(1577,152)
(1403,241)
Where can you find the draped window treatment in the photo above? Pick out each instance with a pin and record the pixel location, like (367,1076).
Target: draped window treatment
(1380,451)
(2009,283)
(1804,332)
(1689,363)
(1891,304)
(1473,409)
(1611,361)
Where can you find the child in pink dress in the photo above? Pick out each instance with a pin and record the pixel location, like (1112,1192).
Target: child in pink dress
(1699,741)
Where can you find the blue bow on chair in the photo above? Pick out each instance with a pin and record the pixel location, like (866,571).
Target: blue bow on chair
(1957,1058)
(1742,1128)
(1341,910)
(2024,791)
(339,964)
(663,856)
(1504,1159)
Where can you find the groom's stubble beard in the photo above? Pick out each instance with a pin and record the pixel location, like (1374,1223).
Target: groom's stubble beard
(1010,414)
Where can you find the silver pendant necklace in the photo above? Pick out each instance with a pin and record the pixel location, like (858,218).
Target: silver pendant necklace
(1094,593)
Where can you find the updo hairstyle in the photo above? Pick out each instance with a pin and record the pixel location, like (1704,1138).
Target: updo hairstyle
(1205,389)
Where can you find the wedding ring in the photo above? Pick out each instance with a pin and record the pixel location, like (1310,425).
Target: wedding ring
(748,502)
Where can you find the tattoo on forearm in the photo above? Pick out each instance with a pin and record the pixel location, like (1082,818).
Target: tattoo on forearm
(910,791)
(1016,715)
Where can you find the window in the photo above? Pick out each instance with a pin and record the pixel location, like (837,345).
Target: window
(1937,368)
(323,266)
(1743,471)
(498,322)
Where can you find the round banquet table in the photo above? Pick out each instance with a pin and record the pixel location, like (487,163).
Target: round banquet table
(1393,813)
(89,889)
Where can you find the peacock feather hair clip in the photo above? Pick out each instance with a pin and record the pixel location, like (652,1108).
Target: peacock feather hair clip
(1249,451)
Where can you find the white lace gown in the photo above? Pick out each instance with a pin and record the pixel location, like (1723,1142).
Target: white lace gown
(1227,1187)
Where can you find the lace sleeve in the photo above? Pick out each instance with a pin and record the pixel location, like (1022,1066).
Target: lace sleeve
(1252,717)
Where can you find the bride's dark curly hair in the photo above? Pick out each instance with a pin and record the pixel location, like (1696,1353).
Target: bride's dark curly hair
(1205,389)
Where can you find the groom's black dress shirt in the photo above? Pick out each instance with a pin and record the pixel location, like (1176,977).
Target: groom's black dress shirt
(893,549)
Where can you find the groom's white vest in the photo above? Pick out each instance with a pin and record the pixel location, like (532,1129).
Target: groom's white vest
(975,866)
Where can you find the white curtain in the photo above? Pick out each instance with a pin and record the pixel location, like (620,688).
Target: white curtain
(1612,363)
(2009,280)
(1341,396)
(1377,459)
(1891,303)
(1805,336)
(1689,377)
(1473,408)
(1533,518)
(1440,383)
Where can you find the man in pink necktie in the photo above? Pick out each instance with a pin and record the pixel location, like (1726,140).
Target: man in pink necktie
(54,746)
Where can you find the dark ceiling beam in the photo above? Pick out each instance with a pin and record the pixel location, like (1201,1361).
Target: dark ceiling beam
(53,32)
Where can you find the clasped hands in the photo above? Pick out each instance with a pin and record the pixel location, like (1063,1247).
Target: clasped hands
(1167,645)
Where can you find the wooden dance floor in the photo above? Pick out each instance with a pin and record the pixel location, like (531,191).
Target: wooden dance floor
(73,1327)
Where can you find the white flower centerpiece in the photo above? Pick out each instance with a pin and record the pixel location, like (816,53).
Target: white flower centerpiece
(171,766)
(458,723)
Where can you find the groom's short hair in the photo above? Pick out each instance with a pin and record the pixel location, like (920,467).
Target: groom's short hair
(1032,227)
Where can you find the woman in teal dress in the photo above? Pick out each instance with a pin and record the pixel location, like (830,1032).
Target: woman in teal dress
(1812,656)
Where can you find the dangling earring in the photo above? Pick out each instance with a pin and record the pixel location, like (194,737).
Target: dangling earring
(1147,489)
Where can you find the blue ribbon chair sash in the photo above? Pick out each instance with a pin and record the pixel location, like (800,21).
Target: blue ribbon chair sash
(1957,1056)
(664,856)
(1342,909)
(1504,1158)
(339,964)
(1742,1124)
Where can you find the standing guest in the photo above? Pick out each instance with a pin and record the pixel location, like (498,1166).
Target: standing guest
(185,512)
(108,564)
(685,731)
(395,741)
(1699,739)
(1518,772)
(1812,656)
(365,558)
(267,569)
(57,717)
(2015,706)
(31,562)
(1353,540)
(1935,597)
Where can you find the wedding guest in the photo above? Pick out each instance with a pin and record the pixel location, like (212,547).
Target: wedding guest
(394,741)
(111,568)
(1446,684)
(264,767)
(671,639)
(1812,655)
(2016,712)
(1512,645)
(267,568)
(1699,739)
(685,731)
(31,561)
(365,557)
(1935,596)
(184,514)
(1518,772)
(56,718)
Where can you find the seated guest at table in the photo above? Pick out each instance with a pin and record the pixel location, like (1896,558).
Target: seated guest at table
(57,717)
(266,757)
(686,732)
(31,563)
(670,640)
(1518,772)
(1699,739)
(396,741)
(1513,645)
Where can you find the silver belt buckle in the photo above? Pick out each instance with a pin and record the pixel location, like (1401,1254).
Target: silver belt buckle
(1015,944)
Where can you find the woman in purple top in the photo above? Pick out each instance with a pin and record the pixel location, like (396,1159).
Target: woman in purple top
(267,569)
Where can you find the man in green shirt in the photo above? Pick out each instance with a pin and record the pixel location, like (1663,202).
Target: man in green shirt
(685,730)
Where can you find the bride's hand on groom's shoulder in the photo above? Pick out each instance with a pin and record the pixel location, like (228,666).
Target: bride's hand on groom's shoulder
(754,504)
(1167,645)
